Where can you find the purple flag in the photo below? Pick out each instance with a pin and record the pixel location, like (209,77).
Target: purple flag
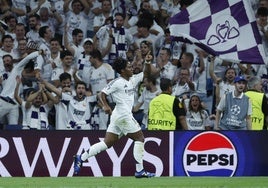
(224,28)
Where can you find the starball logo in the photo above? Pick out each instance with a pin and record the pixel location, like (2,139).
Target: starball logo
(210,154)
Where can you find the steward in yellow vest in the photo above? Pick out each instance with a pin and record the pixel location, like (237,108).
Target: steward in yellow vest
(259,104)
(165,111)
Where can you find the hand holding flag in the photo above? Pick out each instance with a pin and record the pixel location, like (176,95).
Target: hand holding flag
(224,28)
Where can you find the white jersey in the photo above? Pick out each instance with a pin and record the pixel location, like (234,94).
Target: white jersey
(197,120)
(122,92)
(99,77)
(4,76)
(79,112)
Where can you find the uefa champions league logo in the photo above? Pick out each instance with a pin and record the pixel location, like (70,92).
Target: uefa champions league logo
(235,110)
(223,31)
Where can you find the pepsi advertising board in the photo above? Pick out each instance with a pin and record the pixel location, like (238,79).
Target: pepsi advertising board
(224,153)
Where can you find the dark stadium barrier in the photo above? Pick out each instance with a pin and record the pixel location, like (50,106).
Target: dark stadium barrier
(29,153)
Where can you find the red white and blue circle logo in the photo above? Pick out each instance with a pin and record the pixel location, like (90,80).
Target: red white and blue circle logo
(210,154)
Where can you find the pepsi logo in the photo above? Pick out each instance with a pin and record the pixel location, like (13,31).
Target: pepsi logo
(210,154)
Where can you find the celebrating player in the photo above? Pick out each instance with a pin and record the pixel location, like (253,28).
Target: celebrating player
(122,120)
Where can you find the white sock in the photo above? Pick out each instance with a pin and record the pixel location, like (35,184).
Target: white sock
(138,152)
(94,150)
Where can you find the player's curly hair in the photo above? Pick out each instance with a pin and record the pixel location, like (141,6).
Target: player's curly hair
(119,64)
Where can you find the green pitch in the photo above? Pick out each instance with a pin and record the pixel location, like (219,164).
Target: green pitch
(131,182)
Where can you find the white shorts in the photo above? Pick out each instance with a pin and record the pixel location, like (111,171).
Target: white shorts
(123,125)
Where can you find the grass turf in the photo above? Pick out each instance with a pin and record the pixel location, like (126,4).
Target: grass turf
(131,182)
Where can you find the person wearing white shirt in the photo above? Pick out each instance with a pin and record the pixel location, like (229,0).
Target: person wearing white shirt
(144,33)
(99,75)
(149,92)
(50,18)
(7,48)
(74,45)
(94,11)
(53,60)
(67,62)
(78,106)
(76,16)
(20,32)
(61,108)
(103,39)
(122,38)
(184,86)
(106,12)
(8,107)
(83,61)
(34,24)
(196,116)
(164,67)
(20,5)
(167,69)
(11,22)
(235,108)
(45,35)
(224,84)
(122,120)
(35,107)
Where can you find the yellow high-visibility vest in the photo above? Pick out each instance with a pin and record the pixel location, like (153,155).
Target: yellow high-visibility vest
(161,115)
(257,116)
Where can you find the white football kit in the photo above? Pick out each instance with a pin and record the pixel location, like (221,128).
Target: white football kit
(122,92)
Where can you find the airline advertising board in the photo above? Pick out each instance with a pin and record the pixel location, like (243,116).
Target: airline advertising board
(30,153)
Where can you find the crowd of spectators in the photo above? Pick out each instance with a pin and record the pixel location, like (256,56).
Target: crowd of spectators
(57,55)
